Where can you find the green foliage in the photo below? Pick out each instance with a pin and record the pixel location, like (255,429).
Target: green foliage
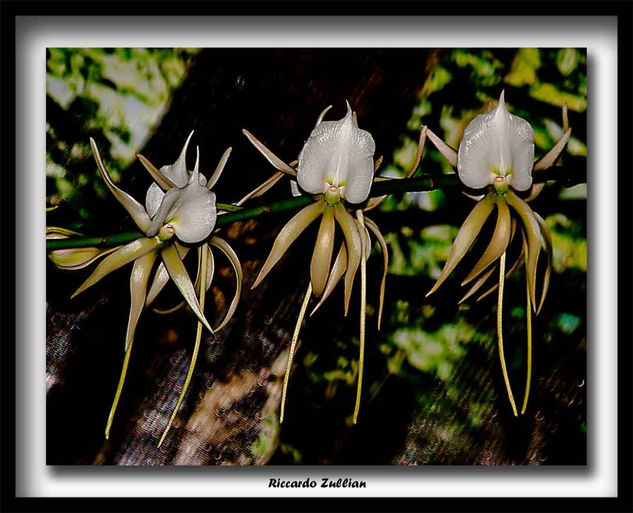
(118,96)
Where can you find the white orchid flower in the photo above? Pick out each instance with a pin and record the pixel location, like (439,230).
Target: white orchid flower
(497,152)
(335,166)
(179,208)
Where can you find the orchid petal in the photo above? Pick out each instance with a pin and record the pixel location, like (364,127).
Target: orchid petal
(533,232)
(514,268)
(73,259)
(210,270)
(270,156)
(536,189)
(447,152)
(161,180)
(498,242)
(547,239)
(119,258)
(219,168)
(194,214)
(133,207)
(196,347)
(354,248)
(477,285)
(168,200)
(264,187)
(294,189)
(337,272)
(323,248)
(224,247)
(178,273)
(552,155)
(497,143)
(197,284)
(195,174)
(465,237)
(162,276)
(385,256)
(177,172)
(287,236)
(418,155)
(365,240)
(190,210)
(138,288)
(322,115)
(337,153)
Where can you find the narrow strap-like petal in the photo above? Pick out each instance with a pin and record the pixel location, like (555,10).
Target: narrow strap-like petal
(418,154)
(385,257)
(478,284)
(323,249)
(354,248)
(534,240)
(208,279)
(138,287)
(372,203)
(536,189)
(178,273)
(547,240)
(204,250)
(219,168)
(119,258)
(162,276)
(179,168)
(465,237)
(264,187)
(337,272)
(194,177)
(498,242)
(513,269)
(365,239)
(133,207)
(225,248)
(161,180)
(288,235)
(449,153)
(322,115)
(73,259)
(270,156)
(550,157)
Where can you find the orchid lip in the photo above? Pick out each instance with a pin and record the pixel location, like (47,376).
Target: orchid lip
(339,154)
(497,144)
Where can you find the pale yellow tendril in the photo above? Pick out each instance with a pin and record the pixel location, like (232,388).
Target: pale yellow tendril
(293,344)
(363,296)
(502,271)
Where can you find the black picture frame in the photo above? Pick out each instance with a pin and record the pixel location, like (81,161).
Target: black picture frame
(11,10)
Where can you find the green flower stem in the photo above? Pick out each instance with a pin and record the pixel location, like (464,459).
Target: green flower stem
(567,176)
